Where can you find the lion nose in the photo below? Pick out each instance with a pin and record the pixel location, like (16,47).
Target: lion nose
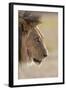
(45,55)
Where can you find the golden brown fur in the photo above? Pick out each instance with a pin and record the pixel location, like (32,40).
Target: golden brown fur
(31,46)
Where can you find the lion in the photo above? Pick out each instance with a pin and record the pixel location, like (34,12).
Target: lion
(31,46)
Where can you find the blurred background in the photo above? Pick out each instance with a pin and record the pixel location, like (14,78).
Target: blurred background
(49,66)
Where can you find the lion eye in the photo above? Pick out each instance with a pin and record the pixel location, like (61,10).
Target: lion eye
(37,39)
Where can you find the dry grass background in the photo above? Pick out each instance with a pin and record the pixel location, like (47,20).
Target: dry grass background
(49,66)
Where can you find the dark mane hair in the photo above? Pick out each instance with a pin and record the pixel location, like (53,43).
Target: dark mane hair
(28,16)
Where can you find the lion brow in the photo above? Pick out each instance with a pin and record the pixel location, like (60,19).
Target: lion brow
(40,34)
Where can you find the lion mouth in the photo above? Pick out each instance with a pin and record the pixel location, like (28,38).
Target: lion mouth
(36,61)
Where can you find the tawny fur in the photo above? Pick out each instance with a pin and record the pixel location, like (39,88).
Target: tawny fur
(31,46)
